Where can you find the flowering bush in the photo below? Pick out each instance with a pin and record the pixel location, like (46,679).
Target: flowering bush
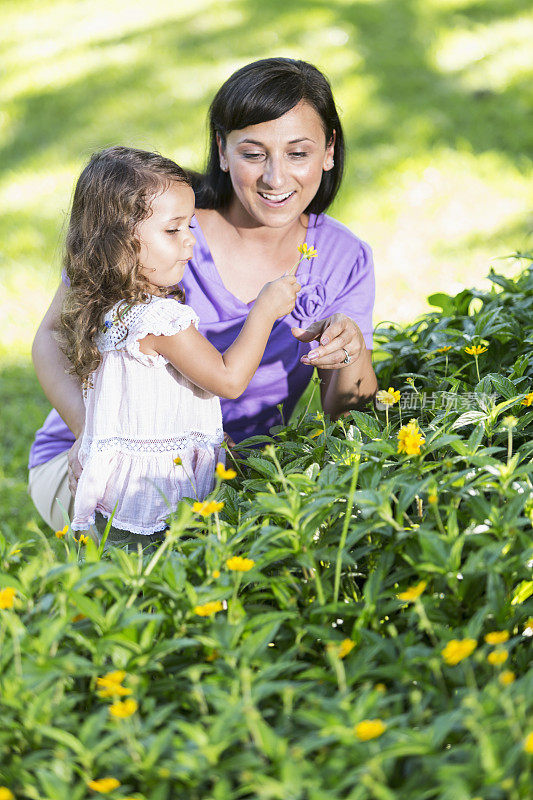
(339,620)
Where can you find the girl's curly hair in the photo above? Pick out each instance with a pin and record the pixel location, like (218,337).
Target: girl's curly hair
(112,196)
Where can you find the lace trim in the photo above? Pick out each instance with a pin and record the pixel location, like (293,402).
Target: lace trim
(123,526)
(157,445)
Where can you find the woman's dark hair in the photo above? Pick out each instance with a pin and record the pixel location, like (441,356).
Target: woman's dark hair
(260,92)
(113,194)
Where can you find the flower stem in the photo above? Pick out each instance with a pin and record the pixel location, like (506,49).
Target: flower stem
(349,506)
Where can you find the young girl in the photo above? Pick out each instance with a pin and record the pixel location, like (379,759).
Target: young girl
(153,430)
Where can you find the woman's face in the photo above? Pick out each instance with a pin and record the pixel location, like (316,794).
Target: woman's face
(276,166)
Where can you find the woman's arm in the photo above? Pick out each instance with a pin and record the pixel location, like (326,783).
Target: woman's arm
(228,374)
(62,389)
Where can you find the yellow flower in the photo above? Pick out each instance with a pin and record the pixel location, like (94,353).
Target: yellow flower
(506,677)
(369,729)
(123,708)
(410,439)
(62,532)
(413,592)
(216,573)
(208,608)
(83,539)
(496,637)
(345,647)
(457,649)
(110,678)
(6,794)
(380,687)
(307,252)
(443,349)
(115,690)
(223,473)
(7,597)
(177,461)
(528,743)
(388,397)
(104,785)
(498,657)
(240,564)
(207,507)
(528,399)
(212,656)
(433,498)
(475,350)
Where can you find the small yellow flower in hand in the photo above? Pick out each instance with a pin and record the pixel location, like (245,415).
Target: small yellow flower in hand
(413,593)
(240,564)
(208,608)
(7,597)
(223,473)
(307,252)
(207,508)
(369,729)
(104,785)
(457,649)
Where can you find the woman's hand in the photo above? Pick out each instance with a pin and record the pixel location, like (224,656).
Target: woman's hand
(335,334)
(74,466)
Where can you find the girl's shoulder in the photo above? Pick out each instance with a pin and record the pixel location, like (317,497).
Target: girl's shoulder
(160,315)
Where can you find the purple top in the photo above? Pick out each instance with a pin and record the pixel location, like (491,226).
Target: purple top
(340,278)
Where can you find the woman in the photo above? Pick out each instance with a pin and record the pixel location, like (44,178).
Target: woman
(275,165)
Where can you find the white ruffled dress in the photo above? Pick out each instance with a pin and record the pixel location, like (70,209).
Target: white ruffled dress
(141,413)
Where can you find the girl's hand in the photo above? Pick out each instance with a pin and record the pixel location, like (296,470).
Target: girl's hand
(335,334)
(278,297)
(74,466)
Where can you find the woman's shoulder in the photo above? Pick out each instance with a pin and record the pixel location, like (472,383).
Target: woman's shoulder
(339,234)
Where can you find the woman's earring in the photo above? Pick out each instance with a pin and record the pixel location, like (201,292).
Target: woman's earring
(223,166)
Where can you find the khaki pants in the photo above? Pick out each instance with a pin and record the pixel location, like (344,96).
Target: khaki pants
(48,488)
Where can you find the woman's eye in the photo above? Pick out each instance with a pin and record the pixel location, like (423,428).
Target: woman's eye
(299,155)
(253,155)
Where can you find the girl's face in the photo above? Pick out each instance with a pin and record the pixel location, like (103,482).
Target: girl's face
(165,236)
(276,166)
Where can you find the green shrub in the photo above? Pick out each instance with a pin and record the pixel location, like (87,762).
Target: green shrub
(373,572)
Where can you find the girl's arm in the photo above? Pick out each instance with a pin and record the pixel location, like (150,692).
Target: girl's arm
(62,389)
(228,374)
